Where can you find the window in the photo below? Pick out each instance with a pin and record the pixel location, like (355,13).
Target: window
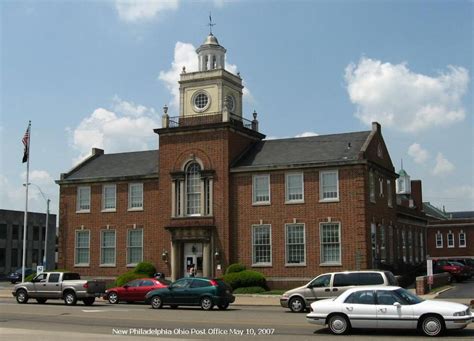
(389,194)
(15,232)
(3,231)
(2,257)
(14,261)
(345,279)
(82,247)
(261,245)
(261,189)
(372,186)
(107,248)
(383,250)
(53,278)
(71,276)
(134,246)
(135,283)
(410,246)
(329,185)
(439,240)
(135,196)
(83,199)
(361,297)
(198,283)
(109,197)
(182,283)
(462,239)
(193,189)
(294,187)
(36,234)
(385,297)
(380,187)
(370,278)
(146,283)
(422,251)
(321,281)
(295,244)
(450,239)
(330,235)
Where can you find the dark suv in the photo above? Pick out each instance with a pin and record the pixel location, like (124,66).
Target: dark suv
(196,291)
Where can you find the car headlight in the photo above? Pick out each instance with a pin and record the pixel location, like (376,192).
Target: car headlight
(460,313)
(284,296)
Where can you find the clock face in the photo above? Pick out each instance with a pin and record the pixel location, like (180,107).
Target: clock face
(201,101)
(229,103)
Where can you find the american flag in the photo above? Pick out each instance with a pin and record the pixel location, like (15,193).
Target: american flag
(26,143)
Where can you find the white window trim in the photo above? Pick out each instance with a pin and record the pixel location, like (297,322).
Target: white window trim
(321,173)
(78,209)
(436,240)
(297,201)
(372,195)
(286,245)
(465,241)
(381,183)
(389,194)
(321,243)
(130,197)
(76,264)
(115,198)
(447,240)
(131,265)
(256,265)
(260,203)
(105,265)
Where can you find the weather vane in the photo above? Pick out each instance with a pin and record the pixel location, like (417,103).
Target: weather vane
(210,24)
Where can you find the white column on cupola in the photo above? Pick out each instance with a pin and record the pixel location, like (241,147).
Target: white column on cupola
(211,55)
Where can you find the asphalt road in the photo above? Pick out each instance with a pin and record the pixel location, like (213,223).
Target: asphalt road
(55,321)
(464,289)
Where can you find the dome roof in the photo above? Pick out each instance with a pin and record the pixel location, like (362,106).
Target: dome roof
(211,40)
(402,172)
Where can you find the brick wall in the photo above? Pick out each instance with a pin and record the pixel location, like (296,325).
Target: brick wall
(455,226)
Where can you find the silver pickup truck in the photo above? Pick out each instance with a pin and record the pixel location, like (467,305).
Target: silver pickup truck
(59,285)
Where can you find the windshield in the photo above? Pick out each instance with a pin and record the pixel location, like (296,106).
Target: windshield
(408,296)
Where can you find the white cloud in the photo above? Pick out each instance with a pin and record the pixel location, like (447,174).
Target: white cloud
(399,98)
(442,166)
(137,10)
(418,154)
(455,198)
(307,134)
(38,177)
(128,128)
(185,56)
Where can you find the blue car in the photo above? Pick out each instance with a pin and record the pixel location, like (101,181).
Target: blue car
(15,276)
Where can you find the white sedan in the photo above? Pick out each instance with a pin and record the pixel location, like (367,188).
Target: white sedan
(389,308)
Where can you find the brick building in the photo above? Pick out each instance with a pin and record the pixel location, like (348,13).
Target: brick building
(216,193)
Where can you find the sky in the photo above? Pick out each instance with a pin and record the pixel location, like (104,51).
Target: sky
(98,73)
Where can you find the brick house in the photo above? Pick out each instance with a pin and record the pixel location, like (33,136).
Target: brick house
(216,193)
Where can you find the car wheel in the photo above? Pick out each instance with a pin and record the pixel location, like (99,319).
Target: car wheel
(338,324)
(70,298)
(21,296)
(41,300)
(88,301)
(112,297)
(156,302)
(432,325)
(206,303)
(297,305)
(223,306)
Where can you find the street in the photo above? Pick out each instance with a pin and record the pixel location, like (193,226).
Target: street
(55,321)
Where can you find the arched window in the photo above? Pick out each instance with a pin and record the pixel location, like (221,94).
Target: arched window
(193,189)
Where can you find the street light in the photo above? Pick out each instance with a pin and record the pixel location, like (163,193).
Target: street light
(47,222)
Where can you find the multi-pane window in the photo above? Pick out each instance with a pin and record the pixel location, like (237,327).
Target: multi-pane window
(294,187)
(15,232)
(261,245)
(383,250)
(295,244)
(134,246)
(422,251)
(261,189)
(372,186)
(410,246)
(462,239)
(14,260)
(82,247)
(135,196)
(107,247)
(328,185)
(109,197)
(404,245)
(439,240)
(381,187)
(389,194)
(193,189)
(450,239)
(330,236)
(83,199)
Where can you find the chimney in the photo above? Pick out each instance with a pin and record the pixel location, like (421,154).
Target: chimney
(97,151)
(376,127)
(416,194)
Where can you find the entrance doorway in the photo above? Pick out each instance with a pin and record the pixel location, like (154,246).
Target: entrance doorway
(192,259)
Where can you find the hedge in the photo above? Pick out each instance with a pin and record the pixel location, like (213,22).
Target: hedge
(127,277)
(236,267)
(249,290)
(246,278)
(145,268)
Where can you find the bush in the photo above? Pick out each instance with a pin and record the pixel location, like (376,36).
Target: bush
(30,277)
(249,290)
(145,268)
(236,267)
(127,277)
(246,278)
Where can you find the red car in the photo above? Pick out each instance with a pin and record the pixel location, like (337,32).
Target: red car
(134,290)
(457,270)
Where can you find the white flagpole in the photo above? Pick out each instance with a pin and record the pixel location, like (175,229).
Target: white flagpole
(25,222)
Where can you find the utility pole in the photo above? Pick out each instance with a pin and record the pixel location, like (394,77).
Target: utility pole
(46,236)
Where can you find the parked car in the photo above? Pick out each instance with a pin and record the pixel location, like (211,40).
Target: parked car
(15,276)
(134,290)
(467,262)
(332,284)
(457,270)
(59,285)
(195,291)
(388,308)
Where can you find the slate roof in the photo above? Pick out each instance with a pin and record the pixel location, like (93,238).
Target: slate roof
(130,164)
(304,150)
(462,215)
(434,212)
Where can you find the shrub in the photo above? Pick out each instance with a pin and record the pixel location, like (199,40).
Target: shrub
(246,278)
(127,277)
(236,267)
(249,290)
(145,268)
(30,277)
